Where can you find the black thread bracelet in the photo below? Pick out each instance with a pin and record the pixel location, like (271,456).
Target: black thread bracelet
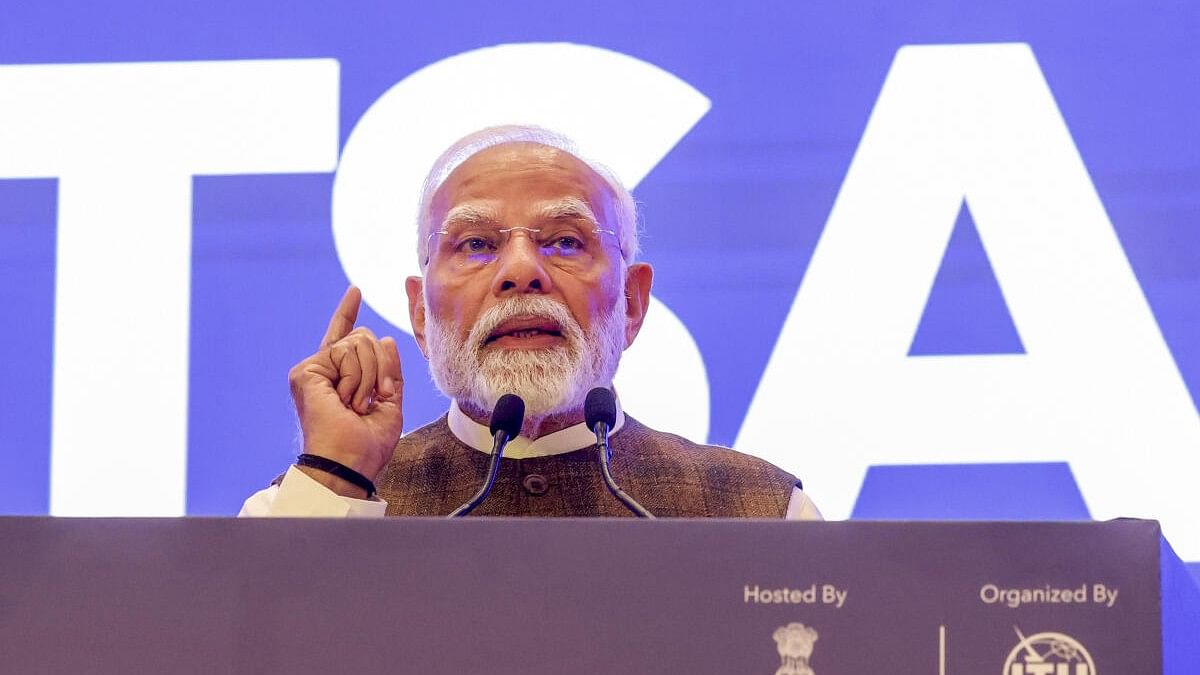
(338,469)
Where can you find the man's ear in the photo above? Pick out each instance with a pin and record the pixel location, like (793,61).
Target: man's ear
(638,280)
(415,286)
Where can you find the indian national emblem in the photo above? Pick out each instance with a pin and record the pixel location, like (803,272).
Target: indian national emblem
(1048,654)
(795,644)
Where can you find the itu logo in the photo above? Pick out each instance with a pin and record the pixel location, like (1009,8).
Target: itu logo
(1048,654)
(795,645)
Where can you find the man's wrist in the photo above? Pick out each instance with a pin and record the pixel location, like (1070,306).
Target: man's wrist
(338,469)
(336,484)
(354,461)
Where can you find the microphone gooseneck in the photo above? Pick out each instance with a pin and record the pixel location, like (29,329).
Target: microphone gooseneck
(507,417)
(600,412)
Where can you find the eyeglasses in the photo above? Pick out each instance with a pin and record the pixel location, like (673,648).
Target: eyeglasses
(472,246)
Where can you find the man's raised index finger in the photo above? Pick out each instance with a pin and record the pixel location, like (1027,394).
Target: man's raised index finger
(343,317)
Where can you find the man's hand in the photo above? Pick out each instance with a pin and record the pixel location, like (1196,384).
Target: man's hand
(348,397)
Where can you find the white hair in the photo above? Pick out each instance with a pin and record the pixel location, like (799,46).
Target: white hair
(468,146)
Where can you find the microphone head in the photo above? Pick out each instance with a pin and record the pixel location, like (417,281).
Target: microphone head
(508,415)
(600,406)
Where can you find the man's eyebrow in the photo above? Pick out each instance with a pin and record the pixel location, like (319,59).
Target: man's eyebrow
(469,214)
(568,208)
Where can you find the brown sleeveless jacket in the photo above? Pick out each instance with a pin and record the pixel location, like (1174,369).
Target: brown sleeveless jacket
(432,473)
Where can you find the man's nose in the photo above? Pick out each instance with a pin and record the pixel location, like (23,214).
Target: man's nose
(520,267)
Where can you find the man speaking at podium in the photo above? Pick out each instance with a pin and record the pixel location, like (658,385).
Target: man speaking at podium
(530,288)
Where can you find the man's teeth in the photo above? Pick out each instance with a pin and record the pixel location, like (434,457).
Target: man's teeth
(526,333)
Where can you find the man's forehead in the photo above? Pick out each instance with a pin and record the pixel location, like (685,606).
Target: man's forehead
(517,152)
(515,165)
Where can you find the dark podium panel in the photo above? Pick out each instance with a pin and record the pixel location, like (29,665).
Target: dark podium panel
(591,596)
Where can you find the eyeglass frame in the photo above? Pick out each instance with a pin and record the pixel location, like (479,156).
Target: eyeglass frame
(506,230)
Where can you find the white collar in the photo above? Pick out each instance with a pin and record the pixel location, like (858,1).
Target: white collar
(562,441)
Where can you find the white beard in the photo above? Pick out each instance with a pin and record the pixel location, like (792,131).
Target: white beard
(551,381)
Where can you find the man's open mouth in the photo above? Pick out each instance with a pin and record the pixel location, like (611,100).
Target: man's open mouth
(523,328)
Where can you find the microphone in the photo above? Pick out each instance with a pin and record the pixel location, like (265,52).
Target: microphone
(600,412)
(507,417)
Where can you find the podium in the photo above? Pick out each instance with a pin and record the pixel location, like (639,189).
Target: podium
(429,596)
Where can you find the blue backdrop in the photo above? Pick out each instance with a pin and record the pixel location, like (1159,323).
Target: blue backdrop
(733,212)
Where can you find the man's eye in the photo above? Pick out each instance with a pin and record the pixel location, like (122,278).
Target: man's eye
(475,245)
(566,245)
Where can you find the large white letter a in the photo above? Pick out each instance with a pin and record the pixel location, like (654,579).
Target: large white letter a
(1097,386)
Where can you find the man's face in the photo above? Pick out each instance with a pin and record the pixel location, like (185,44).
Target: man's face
(539,310)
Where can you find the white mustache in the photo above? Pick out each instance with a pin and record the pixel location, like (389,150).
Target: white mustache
(525,305)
